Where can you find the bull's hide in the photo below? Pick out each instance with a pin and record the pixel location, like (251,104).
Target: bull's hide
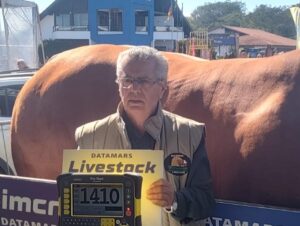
(251,108)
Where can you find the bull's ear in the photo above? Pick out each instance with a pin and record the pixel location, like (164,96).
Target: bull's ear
(165,94)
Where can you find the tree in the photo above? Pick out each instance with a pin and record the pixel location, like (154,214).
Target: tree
(276,20)
(213,15)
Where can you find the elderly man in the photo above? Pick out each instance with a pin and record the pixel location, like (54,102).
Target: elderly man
(140,123)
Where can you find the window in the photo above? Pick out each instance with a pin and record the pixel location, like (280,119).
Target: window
(116,20)
(8,96)
(80,21)
(110,20)
(141,21)
(63,21)
(103,20)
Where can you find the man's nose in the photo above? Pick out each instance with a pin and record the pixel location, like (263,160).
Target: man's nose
(135,84)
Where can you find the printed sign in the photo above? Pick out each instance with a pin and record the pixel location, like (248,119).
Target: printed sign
(28,201)
(222,39)
(242,214)
(147,163)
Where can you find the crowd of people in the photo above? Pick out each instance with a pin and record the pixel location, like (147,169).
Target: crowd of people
(246,53)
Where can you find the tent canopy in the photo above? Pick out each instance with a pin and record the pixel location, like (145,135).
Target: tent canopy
(20,34)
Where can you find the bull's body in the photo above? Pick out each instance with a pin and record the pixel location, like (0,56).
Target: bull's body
(251,109)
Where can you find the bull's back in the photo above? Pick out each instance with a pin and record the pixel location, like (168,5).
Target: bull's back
(250,108)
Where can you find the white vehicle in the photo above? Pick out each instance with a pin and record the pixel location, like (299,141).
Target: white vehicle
(10,85)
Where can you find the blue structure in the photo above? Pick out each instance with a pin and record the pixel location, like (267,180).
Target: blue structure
(121,21)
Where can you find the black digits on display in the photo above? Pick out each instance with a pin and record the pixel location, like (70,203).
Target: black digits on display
(99,199)
(99,196)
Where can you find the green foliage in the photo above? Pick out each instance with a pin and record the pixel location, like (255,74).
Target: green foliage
(276,20)
(213,15)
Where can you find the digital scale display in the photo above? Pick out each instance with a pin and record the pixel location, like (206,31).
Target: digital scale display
(98,200)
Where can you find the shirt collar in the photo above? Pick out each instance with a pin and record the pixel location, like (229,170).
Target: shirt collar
(152,125)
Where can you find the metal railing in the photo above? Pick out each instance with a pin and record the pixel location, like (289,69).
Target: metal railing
(70,28)
(168,29)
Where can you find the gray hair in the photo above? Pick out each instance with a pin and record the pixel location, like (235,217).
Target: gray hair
(144,53)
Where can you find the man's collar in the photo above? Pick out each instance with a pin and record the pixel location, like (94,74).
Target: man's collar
(152,125)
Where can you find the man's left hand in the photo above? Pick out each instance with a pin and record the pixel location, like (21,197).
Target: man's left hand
(161,193)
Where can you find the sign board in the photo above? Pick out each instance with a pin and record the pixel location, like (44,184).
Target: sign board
(242,214)
(147,163)
(222,40)
(28,201)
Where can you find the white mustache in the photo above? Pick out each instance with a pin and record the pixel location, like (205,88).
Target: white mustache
(134,94)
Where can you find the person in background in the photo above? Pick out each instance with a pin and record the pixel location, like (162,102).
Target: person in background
(22,64)
(243,54)
(186,194)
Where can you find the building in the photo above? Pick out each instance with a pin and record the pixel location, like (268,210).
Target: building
(157,23)
(119,22)
(228,40)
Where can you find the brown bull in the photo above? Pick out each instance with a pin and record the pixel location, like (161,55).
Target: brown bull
(251,108)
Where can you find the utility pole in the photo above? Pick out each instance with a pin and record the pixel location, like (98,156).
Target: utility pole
(295,11)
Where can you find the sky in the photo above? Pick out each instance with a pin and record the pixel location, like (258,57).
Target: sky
(190,5)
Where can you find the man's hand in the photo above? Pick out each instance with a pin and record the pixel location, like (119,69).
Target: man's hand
(161,193)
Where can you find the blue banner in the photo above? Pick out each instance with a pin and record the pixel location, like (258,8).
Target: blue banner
(240,214)
(222,40)
(28,201)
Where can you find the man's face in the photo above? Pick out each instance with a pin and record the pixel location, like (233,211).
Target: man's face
(21,65)
(139,88)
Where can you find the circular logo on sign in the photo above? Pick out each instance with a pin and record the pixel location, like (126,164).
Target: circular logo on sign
(177,164)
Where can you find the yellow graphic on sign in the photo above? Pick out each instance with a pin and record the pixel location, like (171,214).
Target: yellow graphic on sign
(147,163)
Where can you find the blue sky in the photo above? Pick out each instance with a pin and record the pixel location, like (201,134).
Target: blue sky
(190,5)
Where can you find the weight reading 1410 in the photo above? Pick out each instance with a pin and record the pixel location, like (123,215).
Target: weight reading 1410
(99,200)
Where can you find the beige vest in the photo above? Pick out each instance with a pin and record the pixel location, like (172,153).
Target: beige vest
(172,133)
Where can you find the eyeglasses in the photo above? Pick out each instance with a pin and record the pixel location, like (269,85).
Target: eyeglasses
(127,82)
